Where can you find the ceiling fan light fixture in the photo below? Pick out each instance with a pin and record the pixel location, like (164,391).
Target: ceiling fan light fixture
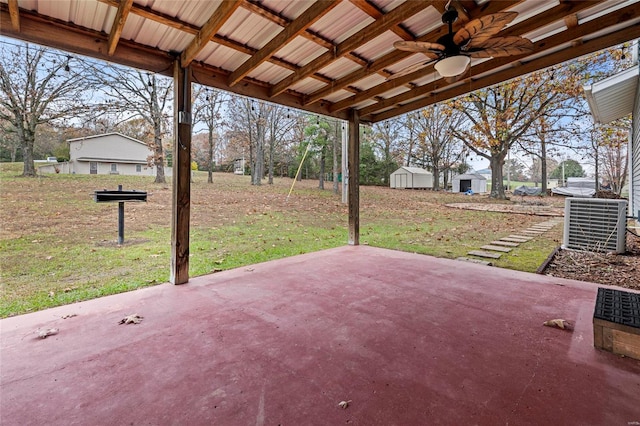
(452,66)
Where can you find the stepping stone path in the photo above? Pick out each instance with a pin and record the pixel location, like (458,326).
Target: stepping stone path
(495,249)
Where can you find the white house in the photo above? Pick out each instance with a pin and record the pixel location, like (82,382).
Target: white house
(473,181)
(111,153)
(613,98)
(411,177)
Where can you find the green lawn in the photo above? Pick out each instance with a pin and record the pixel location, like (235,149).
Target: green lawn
(58,246)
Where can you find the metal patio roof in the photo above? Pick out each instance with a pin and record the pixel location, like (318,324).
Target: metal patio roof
(324,56)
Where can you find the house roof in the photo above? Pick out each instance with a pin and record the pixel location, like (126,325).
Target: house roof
(326,57)
(105,135)
(613,97)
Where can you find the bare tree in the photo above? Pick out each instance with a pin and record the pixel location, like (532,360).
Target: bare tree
(133,93)
(207,110)
(39,86)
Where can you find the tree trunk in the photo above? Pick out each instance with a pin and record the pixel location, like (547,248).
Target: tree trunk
(271,149)
(158,156)
(335,160)
(258,169)
(210,168)
(28,139)
(543,167)
(323,159)
(436,178)
(497,184)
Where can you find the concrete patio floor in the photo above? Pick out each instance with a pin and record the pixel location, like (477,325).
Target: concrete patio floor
(407,339)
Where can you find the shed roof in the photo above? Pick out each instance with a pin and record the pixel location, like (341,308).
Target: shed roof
(470,176)
(327,56)
(414,170)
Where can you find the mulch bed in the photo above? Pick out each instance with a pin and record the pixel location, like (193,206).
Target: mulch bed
(603,268)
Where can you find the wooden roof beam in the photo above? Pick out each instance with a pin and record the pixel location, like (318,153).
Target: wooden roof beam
(118,24)
(14,13)
(396,56)
(372,10)
(208,30)
(547,17)
(297,26)
(585,48)
(397,15)
(470,84)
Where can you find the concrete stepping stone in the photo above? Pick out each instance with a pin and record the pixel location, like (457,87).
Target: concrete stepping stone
(505,243)
(486,254)
(522,237)
(529,231)
(478,261)
(514,240)
(496,248)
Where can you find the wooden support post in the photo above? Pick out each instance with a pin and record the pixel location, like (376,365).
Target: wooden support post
(181,175)
(354,178)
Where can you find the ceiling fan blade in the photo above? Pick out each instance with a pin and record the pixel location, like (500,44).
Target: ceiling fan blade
(410,69)
(480,30)
(502,46)
(420,46)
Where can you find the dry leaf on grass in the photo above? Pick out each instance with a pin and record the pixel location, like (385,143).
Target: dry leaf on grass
(131,319)
(43,334)
(559,323)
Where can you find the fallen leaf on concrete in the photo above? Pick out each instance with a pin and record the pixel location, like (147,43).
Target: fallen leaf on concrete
(344,404)
(69,316)
(559,323)
(131,319)
(43,334)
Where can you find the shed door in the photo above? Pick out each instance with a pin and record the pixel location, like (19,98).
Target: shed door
(465,185)
(401,181)
(93,168)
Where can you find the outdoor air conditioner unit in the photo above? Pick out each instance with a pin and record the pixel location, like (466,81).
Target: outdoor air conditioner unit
(594,224)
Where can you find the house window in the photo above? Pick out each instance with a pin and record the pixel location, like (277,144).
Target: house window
(93,168)
(114,169)
(138,168)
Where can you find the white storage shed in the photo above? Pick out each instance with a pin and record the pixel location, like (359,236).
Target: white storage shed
(411,177)
(475,182)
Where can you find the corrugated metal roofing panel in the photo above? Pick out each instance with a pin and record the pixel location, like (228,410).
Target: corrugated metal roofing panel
(378,47)
(221,56)
(342,22)
(308,85)
(528,9)
(423,22)
(409,60)
(300,51)
(89,14)
(339,68)
(338,96)
(394,92)
(270,73)
(388,5)
(249,28)
(289,10)
(369,82)
(364,104)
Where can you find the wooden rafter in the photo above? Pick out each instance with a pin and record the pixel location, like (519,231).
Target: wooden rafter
(177,24)
(393,57)
(291,31)
(552,15)
(397,15)
(469,85)
(14,12)
(118,24)
(217,20)
(374,11)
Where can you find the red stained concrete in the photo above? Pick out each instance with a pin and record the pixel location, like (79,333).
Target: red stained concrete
(409,339)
